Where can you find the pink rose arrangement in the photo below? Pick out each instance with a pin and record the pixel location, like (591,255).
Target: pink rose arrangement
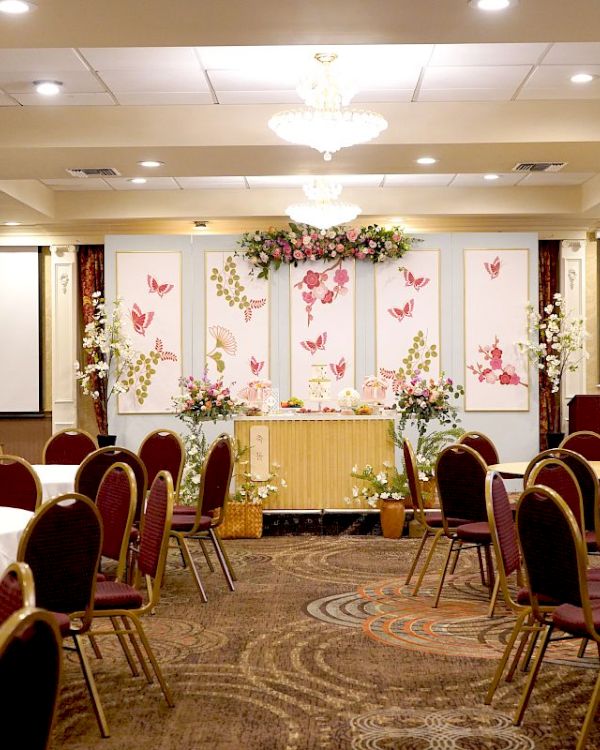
(420,400)
(202,400)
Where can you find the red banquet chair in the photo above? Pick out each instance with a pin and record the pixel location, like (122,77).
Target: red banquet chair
(30,673)
(482,444)
(116,502)
(163,450)
(585,442)
(20,486)
(17,589)
(69,446)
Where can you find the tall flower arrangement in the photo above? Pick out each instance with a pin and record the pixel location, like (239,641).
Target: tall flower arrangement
(201,400)
(555,344)
(420,401)
(108,352)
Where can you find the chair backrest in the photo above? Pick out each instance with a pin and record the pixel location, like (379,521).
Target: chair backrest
(154,531)
(460,476)
(552,547)
(412,476)
(502,531)
(20,486)
(585,442)
(30,672)
(482,444)
(116,500)
(216,478)
(62,544)
(17,589)
(163,450)
(553,473)
(92,469)
(69,446)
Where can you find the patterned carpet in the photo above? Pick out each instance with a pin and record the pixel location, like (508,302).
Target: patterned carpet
(322,647)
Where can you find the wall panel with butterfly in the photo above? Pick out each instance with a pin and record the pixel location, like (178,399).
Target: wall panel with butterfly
(237,339)
(149,284)
(322,324)
(407,305)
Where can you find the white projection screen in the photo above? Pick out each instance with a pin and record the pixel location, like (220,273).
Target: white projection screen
(20,381)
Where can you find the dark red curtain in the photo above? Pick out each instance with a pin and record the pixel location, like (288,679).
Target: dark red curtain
(90,265)
(548,285)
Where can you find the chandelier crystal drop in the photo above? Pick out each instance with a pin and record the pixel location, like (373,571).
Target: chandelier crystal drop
(326,123)
(323,209)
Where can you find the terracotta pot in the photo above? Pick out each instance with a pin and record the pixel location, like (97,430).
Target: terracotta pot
(391,516)
(429,493)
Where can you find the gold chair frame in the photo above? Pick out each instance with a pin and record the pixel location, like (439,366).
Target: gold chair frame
(177,436)
(475,433)
(24,576)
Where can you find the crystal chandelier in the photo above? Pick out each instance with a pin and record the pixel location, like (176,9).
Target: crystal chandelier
(323,209)
(326,123)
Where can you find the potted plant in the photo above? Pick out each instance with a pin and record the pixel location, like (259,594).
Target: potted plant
(387,490)
(109,358)
(556,345)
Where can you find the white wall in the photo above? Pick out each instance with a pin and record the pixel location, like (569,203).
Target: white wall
(515,433)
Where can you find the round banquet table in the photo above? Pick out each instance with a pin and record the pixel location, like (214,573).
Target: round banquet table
(56,479)
(516,469)
(12,524)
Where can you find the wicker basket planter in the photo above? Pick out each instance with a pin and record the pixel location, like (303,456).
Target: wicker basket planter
(242,521)
(429,494)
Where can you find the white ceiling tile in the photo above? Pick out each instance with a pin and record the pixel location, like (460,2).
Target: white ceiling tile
(78,184)
(210,183)
(384,95)
(153,183)
(476,180)
(162,80)
(34,60)
(487,54)
(258,97)
(556,178)
(252,80)
(357,180)
(560,75)
(65,100)
(140,58)
(278,181)
(466,95)
(6,101)
(559,92)
(577,53)
(474,77)
(74,81)
(417,180)
(157,98)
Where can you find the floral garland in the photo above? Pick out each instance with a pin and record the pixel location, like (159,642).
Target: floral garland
(302,242)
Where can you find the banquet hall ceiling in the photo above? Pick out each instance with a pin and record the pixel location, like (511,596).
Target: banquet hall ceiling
(193,84)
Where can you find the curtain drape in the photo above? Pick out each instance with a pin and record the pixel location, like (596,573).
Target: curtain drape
(90,266)
(548,285)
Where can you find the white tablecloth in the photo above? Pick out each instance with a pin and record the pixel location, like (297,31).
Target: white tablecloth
(12,524)
(56,479)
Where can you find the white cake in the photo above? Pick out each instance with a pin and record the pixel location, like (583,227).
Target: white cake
(319,385)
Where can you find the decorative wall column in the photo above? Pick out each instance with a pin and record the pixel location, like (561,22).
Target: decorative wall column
(64,336)
(572,287)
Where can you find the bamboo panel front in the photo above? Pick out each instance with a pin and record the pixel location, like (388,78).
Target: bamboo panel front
(317,456)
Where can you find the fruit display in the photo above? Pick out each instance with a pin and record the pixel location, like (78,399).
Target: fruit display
(292,403)
(363,409)
(330,410)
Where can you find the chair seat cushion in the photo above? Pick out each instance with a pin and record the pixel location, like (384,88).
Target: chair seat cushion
(593,574)
(569,619)
(546,601)
(591,541)
(184,510)
(474,532)
(185,522)
(63,622)
(434,519)
(100,577)
(116,595)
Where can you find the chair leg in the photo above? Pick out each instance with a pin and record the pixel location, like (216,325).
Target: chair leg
(443,574)
(124,646)
(528,632)
(148,649)
(480,560)
(494,599)
(425,568)
(489,564)
(138,650)
(416,557)
(204,549)
(223,549)
(504,658)
(92,689)
(589,716)
(183,563)
(95,646)
(530,650)
(221,560)
(529,685)
(582,648)
(192,566)
(456,556)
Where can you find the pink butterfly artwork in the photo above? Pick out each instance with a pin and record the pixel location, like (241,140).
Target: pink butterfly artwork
(338,370)
(402,312)
(417,282)
(256,366)
(155,287)
(164,356)
(140,320)
(493,268)
(314,346)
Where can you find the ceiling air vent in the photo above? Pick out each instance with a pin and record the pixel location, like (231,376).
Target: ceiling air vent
(98,172)
(539,166)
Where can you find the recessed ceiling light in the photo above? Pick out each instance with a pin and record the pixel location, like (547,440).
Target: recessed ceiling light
(425,160)
(492,5)
(138,180)
(15,7)
(201,226)
(491,176)
(12,223)
(582,78)
(151,164)
(48,88)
